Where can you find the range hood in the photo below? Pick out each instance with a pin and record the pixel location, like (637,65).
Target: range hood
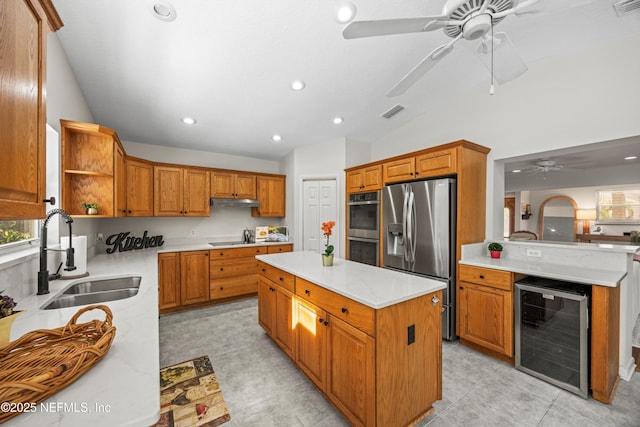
(234,203)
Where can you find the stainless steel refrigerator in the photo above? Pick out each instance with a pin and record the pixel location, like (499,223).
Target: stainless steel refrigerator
(419,236)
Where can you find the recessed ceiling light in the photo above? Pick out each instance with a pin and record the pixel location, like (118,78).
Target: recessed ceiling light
(631,157)
(337,120)
(516,171)
(163,10)
(188,120)
(345,12)
(276,138)
(298,85)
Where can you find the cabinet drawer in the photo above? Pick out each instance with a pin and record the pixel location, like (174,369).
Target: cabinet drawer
(275,249)
(232,267)
(282,278)
(352,312)
(488,277)
(237,252)
(233,286)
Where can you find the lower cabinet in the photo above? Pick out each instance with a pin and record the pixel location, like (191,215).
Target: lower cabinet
(485,307)
(233,272)
(183,278)
(378,367)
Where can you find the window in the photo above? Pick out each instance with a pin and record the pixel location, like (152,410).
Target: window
(618,207)
(13,233)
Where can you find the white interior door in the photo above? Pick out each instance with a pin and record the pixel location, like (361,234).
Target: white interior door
(320,205)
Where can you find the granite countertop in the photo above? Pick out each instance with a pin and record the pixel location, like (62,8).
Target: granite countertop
(123,389)
(372,286)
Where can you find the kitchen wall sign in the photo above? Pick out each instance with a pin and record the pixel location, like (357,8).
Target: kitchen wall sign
(123,242)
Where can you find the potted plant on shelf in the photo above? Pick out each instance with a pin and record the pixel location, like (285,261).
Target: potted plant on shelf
(495,249)
(327,256)
(7,316)
(92,208)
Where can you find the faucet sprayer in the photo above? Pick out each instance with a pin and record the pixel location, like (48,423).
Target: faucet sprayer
(43,274)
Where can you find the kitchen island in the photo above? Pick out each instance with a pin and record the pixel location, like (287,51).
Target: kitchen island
(370,339)
(123,389)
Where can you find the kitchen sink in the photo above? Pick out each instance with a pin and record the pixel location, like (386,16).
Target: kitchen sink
(95,292)
(102,285)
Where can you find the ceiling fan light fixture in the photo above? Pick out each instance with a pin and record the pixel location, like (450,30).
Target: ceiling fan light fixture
(345,12)
(477,26)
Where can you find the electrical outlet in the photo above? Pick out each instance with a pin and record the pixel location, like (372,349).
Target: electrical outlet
(193,232)
(99,237)
(534,252)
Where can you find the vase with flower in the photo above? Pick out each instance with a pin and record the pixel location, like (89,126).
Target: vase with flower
(7,316)
(327,256)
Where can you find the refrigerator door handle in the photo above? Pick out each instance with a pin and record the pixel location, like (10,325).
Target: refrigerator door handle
(405,234)
(411,214)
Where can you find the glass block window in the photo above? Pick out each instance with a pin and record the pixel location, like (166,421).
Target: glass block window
(618,207)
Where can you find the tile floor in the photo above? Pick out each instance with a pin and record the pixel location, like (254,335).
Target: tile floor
(263,388)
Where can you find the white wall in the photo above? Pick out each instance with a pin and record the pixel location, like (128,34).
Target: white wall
(590,96)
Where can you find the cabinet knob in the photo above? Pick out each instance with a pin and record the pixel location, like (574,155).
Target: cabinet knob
(482,276)
(264,270)
(325,323)
(282,279)
(321,320)
(271,289)
(51,200)
(221,288)
(461,288)
(129,211)
(435,300)
(221,269)
(344,309)
(307,291)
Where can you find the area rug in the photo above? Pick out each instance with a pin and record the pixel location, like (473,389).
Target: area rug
(190,396)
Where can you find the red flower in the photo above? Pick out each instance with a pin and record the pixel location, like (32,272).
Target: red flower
(327,226)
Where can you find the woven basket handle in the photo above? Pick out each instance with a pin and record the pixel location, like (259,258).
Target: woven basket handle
(106,309)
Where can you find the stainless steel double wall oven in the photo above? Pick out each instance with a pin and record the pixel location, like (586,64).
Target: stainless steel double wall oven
(364,227)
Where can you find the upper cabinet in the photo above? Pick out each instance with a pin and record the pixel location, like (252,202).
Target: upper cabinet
(232,185)
(272,196)
(364,179)
(89,166)
(23,30)
(432,163)
(139,187)
(180,191)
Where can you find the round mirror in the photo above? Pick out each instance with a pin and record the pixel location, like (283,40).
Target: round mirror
(558,219)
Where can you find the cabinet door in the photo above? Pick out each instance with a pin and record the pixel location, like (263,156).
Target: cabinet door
(271,194)
(167,191)
(436,163)
(486,317)
(196,192)
(245,186)
(355,181)
(311,332)
(275,249)
(169,280)
(194,277)
(283,332)
(372,178)
(23,31)
(233,286)
(266,305)
(399,170)
(120,182)
(139,188)
(222,184)
(351,372)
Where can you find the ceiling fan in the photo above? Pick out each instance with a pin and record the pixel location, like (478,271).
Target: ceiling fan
(460,19)
(542,165)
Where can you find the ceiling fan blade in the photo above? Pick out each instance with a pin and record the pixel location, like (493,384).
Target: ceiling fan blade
(386,27)
(507,63)
(518,9)
(421,69)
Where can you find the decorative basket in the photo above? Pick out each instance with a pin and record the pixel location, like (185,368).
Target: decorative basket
(43,362)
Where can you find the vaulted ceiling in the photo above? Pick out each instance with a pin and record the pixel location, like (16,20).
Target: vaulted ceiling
(230,63)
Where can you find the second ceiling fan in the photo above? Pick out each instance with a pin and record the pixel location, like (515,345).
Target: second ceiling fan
(460,19)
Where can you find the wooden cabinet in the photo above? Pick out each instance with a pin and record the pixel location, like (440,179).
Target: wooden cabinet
(120,182)
(378,367)
(183,279)
(89,156)
(274,249)
(271,192)
(23,30)
(139,187)
(180,191)
(233,185)
(233,272)
(364,179)
(275,313)
(428,164)
(485,298)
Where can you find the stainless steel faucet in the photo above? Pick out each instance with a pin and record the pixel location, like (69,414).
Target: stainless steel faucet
(43,274)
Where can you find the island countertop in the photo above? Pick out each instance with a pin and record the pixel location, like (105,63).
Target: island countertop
(372,286)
